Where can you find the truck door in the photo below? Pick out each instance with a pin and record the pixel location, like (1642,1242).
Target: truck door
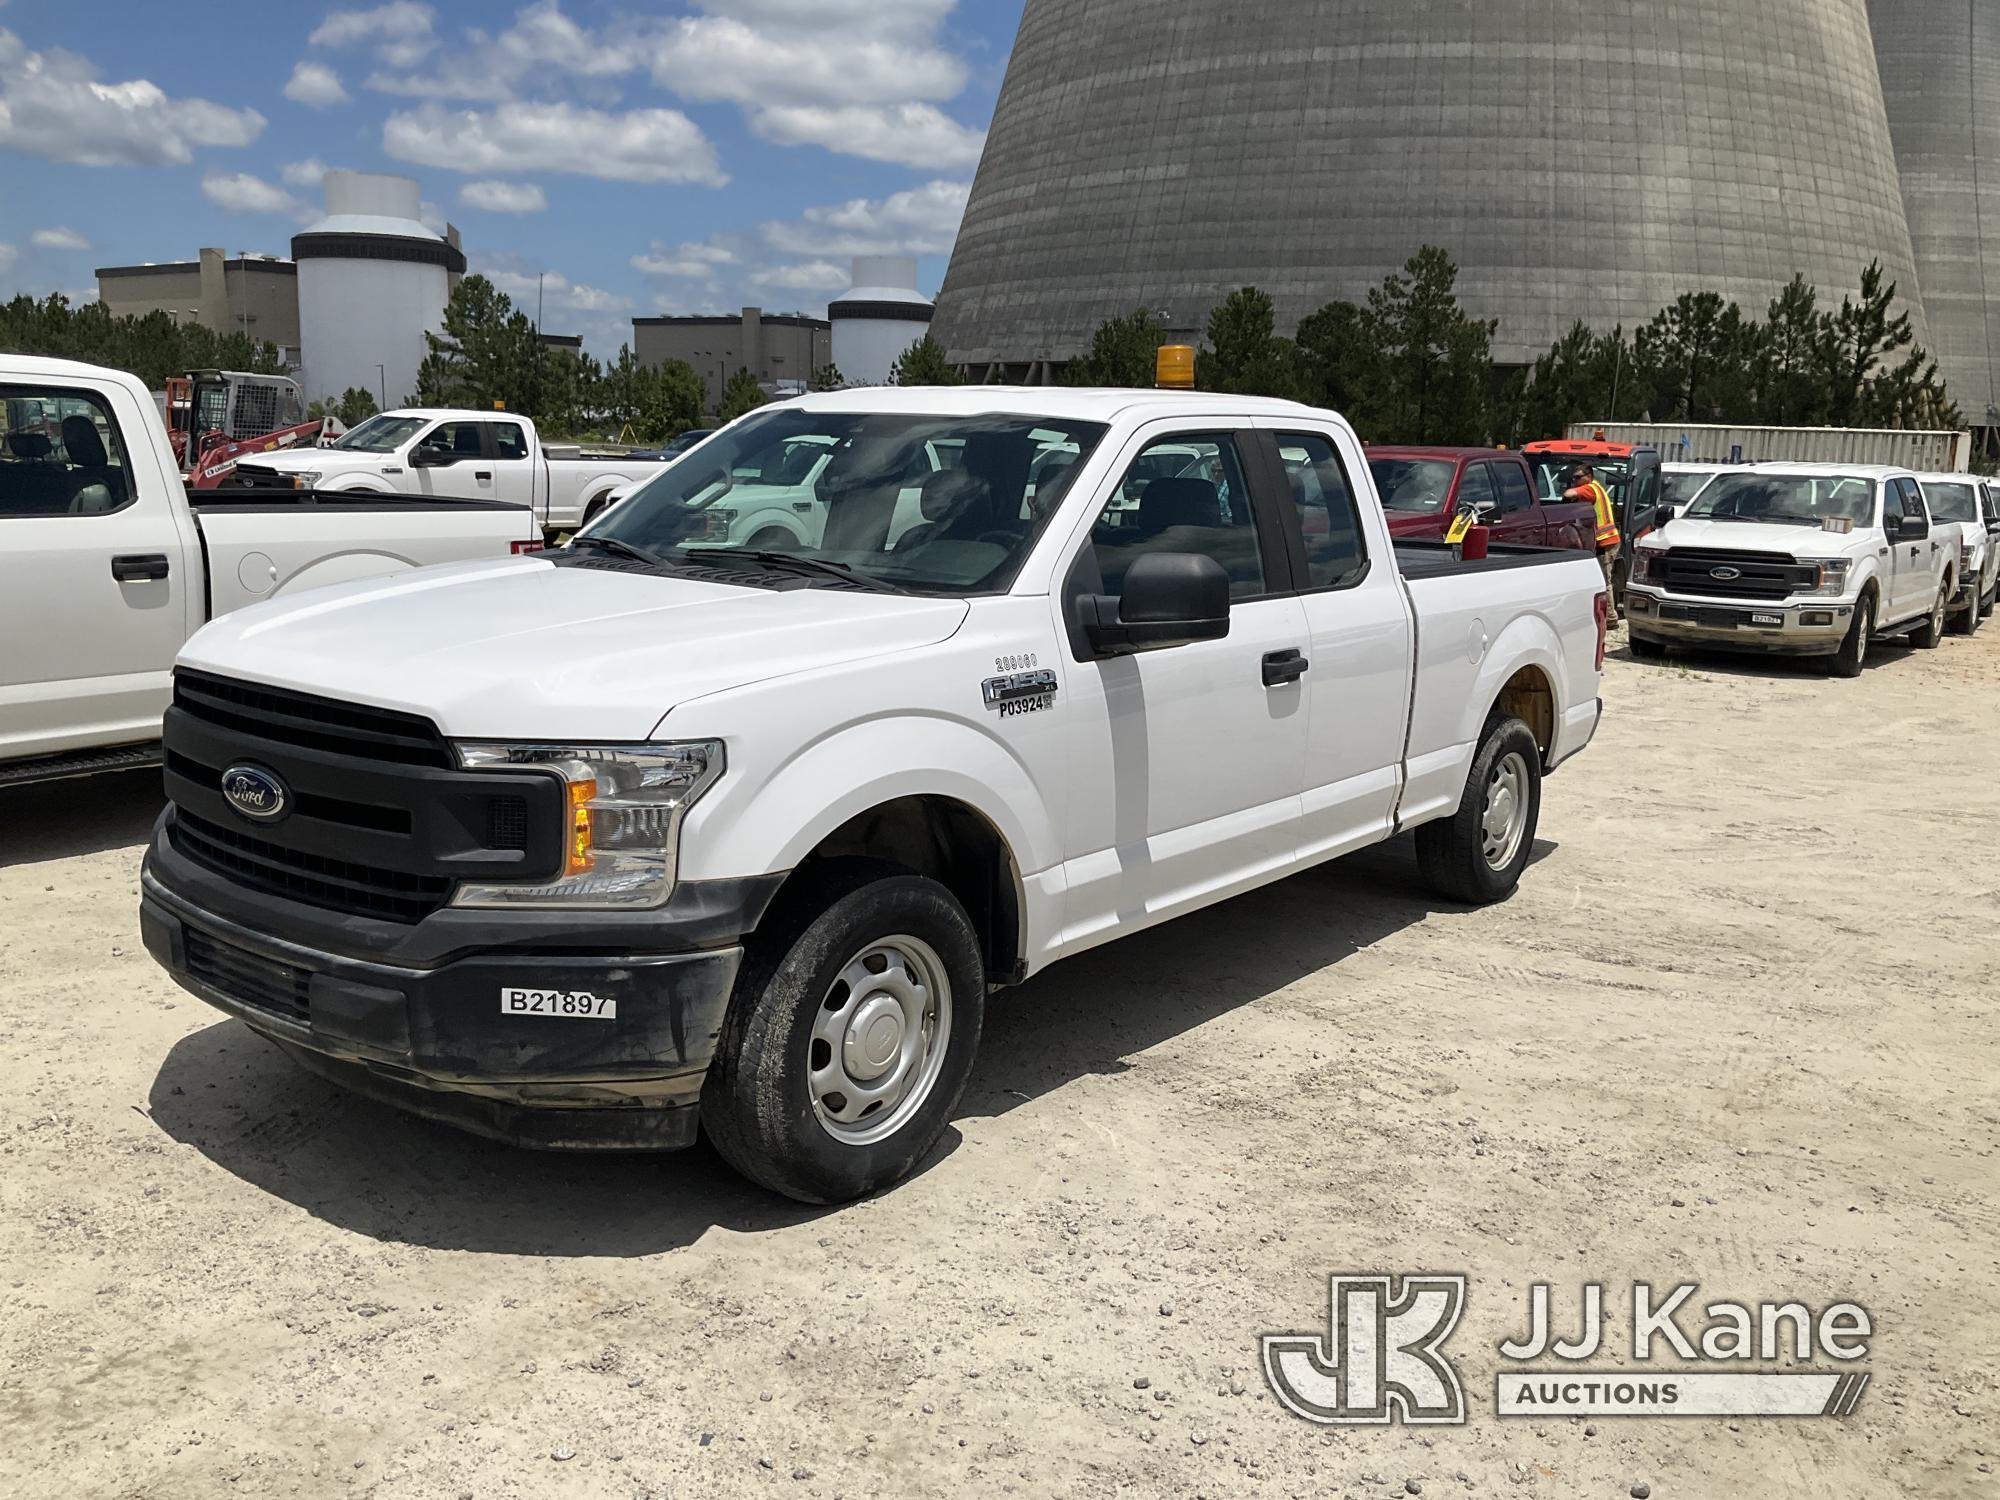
(469,475)
(1519,520)
(1358,691)
(509,457)
(1913,579)
(99,583)
(1185,763)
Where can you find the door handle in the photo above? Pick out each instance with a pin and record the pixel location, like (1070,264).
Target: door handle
(484,476)
(1282,667)
(146,567)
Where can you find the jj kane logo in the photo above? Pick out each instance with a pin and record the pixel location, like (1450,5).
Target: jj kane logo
(1381,1358)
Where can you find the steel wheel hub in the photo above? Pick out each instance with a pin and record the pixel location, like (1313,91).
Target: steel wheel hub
(1505,819)
(878,1040)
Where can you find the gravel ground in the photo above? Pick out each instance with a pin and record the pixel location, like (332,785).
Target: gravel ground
(1736,1028)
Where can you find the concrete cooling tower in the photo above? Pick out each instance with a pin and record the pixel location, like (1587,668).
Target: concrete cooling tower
(1940,62)
(1578,158)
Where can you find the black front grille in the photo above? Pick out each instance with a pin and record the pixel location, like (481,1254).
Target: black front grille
(249,977)
(362,890)
(1745,575)
(310,723)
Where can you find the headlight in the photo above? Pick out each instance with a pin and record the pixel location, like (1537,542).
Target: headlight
(1649,564)
(623,806)
(305,479)
(715,524)
(1832,576)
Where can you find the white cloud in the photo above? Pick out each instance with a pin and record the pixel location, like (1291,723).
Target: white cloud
(503,197)
(309,173)
(807,276)
(911,135)
(315,84)
(8,255)
(717,57)
(684,261)
(402,32)
(53,106)
(918,221)
(58,238)
(641,145)
(541,41)
(241,193)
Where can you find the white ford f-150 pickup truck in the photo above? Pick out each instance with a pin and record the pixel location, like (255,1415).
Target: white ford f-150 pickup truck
(1806,559)
(1958,502)
(108,563)
(488,454)
(583,848)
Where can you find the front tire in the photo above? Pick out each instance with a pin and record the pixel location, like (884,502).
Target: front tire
(1853,652)
(1478,853)
(850,1037)
(1927,635)
(1967,623)
(1645,648)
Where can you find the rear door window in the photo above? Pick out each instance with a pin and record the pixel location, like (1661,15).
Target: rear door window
(510,441)
(1329,520)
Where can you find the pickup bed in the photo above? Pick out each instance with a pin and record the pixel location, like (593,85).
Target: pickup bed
(108,563)
(491,455)
(581,849)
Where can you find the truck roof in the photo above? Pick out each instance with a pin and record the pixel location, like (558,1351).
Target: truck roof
(462,413)
(1081,404)
(72,369)
(1425,450)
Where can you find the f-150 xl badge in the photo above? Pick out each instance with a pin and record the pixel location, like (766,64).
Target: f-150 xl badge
(1021,693)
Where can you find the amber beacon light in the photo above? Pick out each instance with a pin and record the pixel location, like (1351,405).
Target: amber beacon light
(1174,370)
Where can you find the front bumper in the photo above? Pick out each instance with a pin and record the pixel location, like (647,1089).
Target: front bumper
(432,1037)
(1802,628)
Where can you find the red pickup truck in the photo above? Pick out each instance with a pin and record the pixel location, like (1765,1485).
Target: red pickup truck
(1422,488)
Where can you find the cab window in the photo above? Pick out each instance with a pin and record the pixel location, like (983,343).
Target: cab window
(510,441)
(63,454)
(1199,503)
(461,438)
(1515,496)
(1329,521)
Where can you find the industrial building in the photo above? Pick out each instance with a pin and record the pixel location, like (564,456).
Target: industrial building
(257,295)
(783,350)
(1940,64)
(1579,161)
(877,319)
(373,280)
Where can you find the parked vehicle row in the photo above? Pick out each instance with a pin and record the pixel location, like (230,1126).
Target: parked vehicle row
(1815,560)
(109,562)
(658,830)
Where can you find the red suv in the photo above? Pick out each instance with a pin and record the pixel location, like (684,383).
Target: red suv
(1422,488)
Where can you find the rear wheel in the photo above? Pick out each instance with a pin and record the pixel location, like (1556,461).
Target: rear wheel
(1926,636)
(850,1037)
(1478,853)
(1853,652)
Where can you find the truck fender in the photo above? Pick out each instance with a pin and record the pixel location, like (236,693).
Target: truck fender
(771,823)
(357,486)
(1436,780)
(1529,642)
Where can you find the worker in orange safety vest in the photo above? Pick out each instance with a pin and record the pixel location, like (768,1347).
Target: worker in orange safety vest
(1584,487)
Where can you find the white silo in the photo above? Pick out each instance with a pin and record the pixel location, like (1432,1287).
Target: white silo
(878,318)
(372,281)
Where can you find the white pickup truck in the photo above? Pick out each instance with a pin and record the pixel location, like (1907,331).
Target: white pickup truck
(581,849)
(1801,559)
(484,454)
(1959,502)
(108,563)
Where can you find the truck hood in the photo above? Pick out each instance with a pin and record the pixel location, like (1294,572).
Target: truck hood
(320,460)
(1749,536)
(520,648)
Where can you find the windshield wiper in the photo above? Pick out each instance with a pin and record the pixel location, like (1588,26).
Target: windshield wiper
(623,549)
(826,567)
(1777,519)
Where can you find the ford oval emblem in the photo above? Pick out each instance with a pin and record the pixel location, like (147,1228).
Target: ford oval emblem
(1723,575)
(257,794)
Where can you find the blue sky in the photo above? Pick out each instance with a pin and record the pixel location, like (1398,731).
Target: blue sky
(697,155)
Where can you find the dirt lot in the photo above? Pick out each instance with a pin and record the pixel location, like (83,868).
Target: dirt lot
(1738,1027)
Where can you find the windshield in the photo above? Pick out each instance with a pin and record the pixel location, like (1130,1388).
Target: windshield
(928,503)
(1555,475)
(1676,489)
(1787,499)
(380,434)
(1413,484)
(1951,502)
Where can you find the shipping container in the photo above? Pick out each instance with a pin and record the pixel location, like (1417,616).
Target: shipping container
(1686,442)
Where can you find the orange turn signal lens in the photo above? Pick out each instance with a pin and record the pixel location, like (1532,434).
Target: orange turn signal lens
(579,860)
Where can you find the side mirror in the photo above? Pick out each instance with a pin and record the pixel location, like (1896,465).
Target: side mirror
(1993,527)
(1170,599)
(430,456)
(1912,529)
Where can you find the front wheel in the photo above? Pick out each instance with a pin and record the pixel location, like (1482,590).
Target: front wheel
(1967,622)
(1645,648)
(1478,853)
(1847,661)
(1927,635)
(849,1039)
